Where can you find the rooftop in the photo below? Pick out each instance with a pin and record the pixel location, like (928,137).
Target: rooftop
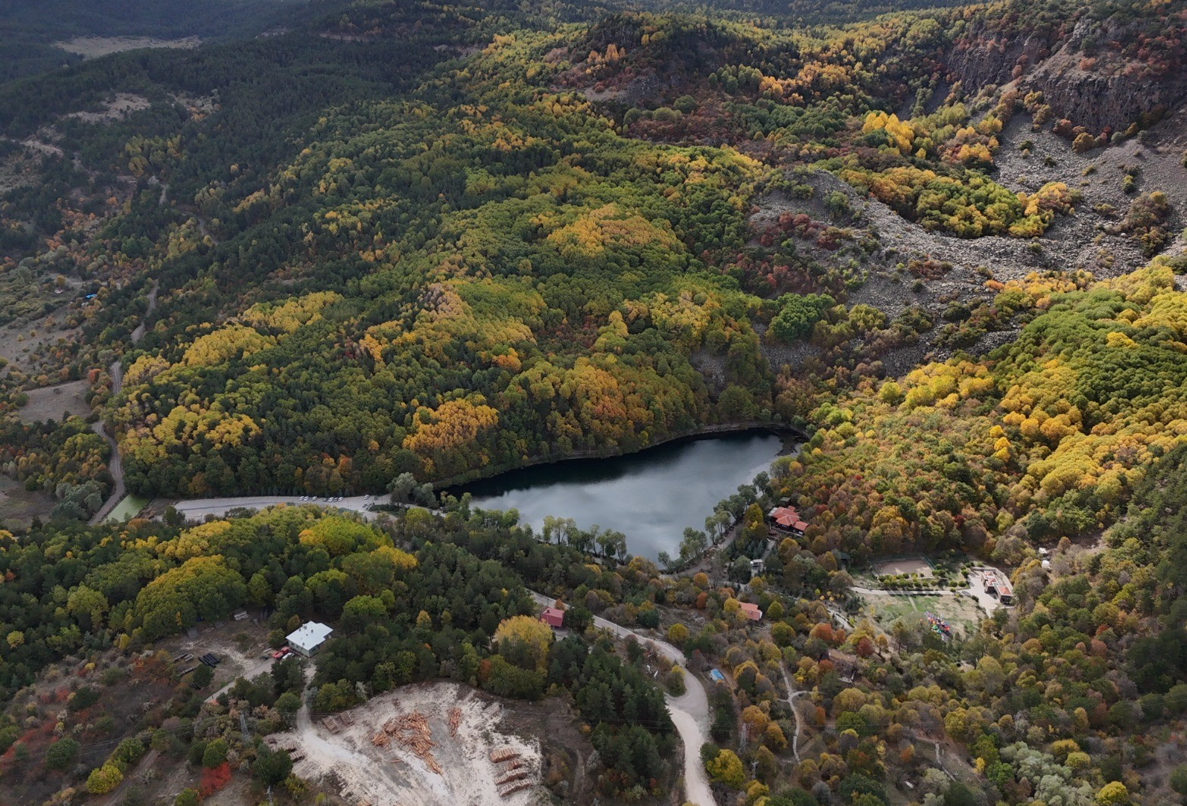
(309,634)
(751,610)
(788,518)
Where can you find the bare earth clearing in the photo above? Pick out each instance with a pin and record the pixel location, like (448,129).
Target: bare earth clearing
(92,47)
(114,108)
(18,506)
(962,612)
(51,402)
(909,565)
(464,730)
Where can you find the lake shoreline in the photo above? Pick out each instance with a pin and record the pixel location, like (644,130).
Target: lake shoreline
(789,434)
(650,496)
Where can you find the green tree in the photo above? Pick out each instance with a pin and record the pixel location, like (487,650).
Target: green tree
(798,314)
(203,676)
(287,705)
(272,767)
(214,754)
(61,754)
(1178,780)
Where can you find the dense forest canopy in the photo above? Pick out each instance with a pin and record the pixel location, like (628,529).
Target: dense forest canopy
(410,261)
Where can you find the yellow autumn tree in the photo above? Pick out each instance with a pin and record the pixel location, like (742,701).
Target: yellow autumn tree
(442,433)
(524,641)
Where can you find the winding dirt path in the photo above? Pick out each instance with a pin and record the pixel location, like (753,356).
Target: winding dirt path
(792,693)
(690,711)
(138,333)
(115,465)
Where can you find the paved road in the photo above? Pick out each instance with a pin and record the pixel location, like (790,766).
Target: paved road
(690,711)
(199,508)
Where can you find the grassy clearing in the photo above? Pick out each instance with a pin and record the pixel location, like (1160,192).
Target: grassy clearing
(962,613)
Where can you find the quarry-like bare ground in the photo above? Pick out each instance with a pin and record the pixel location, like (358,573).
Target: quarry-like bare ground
(394,775)
(1082,240)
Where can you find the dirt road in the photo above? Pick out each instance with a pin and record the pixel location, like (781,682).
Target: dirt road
(114,464)
(792,693)
(690,711)
(263,667)
(138,333)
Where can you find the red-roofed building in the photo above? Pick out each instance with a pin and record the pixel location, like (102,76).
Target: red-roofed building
(553,617)
(787,519)
(752,612)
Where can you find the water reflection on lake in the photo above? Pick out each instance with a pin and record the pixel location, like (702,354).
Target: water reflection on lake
(650,496)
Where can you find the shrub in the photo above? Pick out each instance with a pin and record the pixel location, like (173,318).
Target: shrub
(104,779)
(214,754)
(82,699)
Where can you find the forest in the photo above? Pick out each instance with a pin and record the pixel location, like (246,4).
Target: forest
(30,31)
(410,262)
(400,246)
(1073,691)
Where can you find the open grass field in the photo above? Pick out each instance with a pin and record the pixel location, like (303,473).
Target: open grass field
(961,612)
(92,47)
(18,506)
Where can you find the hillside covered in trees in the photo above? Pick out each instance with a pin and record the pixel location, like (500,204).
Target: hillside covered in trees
(422,243)
(420,261)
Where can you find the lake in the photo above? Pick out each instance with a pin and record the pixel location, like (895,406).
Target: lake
(650,496)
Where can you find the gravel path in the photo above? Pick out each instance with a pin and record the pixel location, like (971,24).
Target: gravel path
(690,711)
(790,700)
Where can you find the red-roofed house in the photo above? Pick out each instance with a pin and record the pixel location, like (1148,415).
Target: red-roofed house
(788,519)
(752,612)
(553,617)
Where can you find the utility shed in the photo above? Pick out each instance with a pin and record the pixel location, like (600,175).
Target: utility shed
(308,638)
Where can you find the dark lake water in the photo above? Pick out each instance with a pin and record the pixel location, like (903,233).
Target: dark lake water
(649,496)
